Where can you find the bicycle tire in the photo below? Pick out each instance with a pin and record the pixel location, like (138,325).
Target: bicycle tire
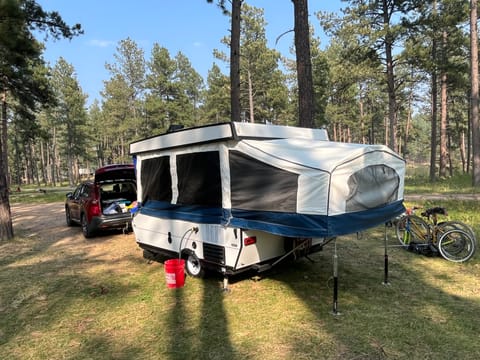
(444,226)
(456,245)
(412,229)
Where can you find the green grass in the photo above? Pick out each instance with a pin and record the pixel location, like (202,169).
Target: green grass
(64,297)
(417,181)
(99,299)
(35,195)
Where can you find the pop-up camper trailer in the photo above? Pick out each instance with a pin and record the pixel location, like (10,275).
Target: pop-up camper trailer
(237,196)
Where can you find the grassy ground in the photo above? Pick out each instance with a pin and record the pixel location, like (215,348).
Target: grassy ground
(417,182)
(63,297)
(36,195)
(76,300)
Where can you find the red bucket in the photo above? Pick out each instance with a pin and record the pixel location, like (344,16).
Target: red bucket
(175,273)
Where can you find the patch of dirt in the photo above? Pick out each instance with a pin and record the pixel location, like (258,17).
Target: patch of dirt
(434,197)
(42,220)
(45,225)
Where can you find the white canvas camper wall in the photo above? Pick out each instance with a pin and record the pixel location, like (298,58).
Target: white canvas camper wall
(238,195)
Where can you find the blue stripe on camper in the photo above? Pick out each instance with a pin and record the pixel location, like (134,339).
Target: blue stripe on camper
(193,213)
(303,225)
(362,220)
(285,224)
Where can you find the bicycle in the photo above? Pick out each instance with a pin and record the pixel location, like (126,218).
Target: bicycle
(454,240)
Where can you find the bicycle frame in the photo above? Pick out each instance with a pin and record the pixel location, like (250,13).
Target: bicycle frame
(454,240)
(415,231)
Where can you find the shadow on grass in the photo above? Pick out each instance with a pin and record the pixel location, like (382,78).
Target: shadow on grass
(32,305)
(206,337)
(52,304)
(412,317)
(417,315)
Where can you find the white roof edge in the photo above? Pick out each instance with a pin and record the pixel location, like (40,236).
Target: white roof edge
(251,130)
(182,138)
(203,134)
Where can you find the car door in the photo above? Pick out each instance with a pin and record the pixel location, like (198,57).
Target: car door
(75,205)
(85,200)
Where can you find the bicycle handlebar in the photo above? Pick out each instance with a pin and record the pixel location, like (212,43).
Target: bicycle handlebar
(429,212)
(435,211)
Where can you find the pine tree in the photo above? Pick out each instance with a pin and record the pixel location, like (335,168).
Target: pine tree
(20,54)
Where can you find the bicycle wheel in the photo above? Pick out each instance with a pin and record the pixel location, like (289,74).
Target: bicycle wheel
(444,226)
(411,229)
(456,245)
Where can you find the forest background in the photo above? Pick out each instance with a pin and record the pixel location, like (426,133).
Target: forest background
(395,73)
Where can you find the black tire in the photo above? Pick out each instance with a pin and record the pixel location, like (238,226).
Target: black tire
(68,217)
(412,229)
(444,226)
(193,266)
(86,228)
(456,245)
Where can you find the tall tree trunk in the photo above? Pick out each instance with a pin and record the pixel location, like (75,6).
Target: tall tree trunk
(469,145)
(28,162)
(392,104)
(76,170)
(408,124)
(58,164)
(433,128)
(463,156)
(235,61)
(372,132)
(304,64)
(43,162)
(362,116)
(443,127)
(71,180)
(34,163)
(449,156)
(250,97)
(53,157)
(4,136)
(123,148)
(18,162)
(385,126)
(6,227)
(392,98)
(474,93)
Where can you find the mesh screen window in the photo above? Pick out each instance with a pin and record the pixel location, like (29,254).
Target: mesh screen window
(199,179)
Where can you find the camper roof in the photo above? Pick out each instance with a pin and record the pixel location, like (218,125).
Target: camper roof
(224,131)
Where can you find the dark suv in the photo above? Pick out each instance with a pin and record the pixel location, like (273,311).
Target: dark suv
(103,203)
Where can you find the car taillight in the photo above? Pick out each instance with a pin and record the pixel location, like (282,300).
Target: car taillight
(94,208)
(250,240)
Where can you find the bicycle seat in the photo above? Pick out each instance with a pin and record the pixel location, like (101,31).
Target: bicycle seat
(435,211)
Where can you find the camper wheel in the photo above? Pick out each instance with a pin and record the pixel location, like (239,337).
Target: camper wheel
(194,266)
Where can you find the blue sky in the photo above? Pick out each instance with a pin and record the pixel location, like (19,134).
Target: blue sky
(193,27)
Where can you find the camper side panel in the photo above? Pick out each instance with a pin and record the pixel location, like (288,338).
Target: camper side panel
(222,248)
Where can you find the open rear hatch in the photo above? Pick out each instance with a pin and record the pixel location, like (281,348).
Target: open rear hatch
(117,186)
(116,172)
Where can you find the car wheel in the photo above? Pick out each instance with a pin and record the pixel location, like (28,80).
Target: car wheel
(194,266)
(86,230)
(68,217)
